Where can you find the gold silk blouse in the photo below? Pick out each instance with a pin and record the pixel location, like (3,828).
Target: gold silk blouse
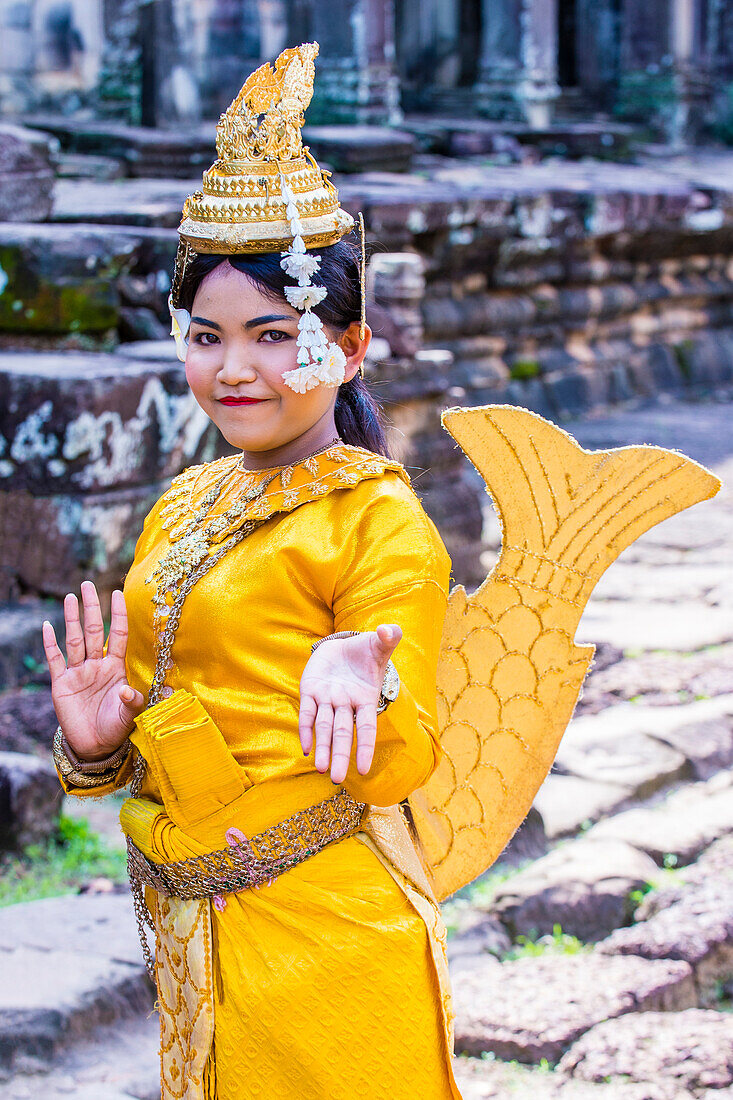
(331,982)
(347,560)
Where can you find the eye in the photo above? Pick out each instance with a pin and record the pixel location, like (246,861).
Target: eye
(276,336)
(206,338)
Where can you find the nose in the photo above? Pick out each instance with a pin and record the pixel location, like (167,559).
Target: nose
(235,367)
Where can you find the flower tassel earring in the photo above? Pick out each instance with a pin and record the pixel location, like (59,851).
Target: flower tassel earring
(319,362)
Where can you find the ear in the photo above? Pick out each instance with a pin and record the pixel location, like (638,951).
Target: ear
(354,348)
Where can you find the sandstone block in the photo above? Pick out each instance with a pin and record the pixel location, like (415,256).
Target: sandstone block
(27,718)
(22,660)
(693,1049)
(566,802)
(69,964)
(682,826)
(361,148)
(697,929)
(715,864)
(26,175)
(86,535)
(584,886)
(708,745)
(59,279)
(572,393)
(683,625)
(536,1008)
(488,1079)
(480,934)
(130,202)
(30,800)
(613,747)
(79,421)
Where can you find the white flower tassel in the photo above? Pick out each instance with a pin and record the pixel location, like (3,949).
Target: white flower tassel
(180,325)
(319,362)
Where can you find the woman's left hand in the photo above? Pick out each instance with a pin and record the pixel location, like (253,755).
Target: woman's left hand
(340,686)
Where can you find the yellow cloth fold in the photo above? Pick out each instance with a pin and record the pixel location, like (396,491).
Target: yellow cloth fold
(175,737)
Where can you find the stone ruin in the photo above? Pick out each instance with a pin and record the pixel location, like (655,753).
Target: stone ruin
(564,287)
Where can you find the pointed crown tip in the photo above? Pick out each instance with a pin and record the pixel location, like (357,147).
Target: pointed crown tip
(267,115)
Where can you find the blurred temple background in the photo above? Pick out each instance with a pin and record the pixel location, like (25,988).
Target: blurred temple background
(547,187)
(667,64)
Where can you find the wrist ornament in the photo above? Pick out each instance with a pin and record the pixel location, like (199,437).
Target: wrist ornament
(390,683)
(86,773)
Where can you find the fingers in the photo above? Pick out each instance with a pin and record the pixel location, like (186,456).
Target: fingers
(366,736)
(324,729)
(117,644)
(93,624)
(343,736)
(54,656)
(132,703)
(75,648)
(308,711)
(387,638)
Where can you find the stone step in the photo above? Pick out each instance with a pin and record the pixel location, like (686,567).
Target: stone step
(125,202)
(26,174)
(533,1009)
(88,442)
(116,1062)
(22,659)
(143,150)
(61,281)
(69,964)
(678,828)
(692,1050)
(584,886)
(629,752)
(74,421)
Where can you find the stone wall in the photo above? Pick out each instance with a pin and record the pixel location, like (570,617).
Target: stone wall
(561,288)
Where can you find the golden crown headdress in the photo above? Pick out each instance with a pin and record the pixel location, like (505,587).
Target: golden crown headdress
(241,206)
(266,193)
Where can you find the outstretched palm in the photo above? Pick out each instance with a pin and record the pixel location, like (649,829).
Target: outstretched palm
(340,688)
(94,703)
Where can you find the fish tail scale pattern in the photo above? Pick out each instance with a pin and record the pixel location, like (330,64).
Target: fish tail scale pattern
(510,672)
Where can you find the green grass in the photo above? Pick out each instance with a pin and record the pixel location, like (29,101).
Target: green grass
(523,369)
(558,943)
(59,866)
(478,894)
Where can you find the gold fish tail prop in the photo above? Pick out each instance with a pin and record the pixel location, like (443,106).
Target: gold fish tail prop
(510,673)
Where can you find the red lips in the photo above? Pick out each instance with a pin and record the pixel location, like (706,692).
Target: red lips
(240,400)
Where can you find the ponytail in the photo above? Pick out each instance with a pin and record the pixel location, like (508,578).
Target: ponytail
(358,417)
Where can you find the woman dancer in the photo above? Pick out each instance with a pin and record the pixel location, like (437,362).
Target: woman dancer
(252,700)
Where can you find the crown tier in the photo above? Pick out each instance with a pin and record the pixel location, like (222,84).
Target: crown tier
(241,206)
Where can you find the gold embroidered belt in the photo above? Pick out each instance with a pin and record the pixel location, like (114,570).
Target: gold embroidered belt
(257,859)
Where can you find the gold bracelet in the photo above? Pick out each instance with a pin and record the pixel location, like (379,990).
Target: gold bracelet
(338,634)
(86,773)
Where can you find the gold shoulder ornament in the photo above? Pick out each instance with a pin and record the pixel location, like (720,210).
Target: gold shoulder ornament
(510,672)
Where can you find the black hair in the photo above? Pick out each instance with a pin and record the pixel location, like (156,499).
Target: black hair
(357,415)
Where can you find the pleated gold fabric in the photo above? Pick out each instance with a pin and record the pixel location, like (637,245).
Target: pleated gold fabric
(331,982)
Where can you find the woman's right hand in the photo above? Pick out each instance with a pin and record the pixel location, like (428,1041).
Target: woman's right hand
(95,705)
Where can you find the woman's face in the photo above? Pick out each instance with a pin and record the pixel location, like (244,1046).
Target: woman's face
(241,342)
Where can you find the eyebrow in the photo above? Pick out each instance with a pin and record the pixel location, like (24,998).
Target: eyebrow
(268,319)
(254,323)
